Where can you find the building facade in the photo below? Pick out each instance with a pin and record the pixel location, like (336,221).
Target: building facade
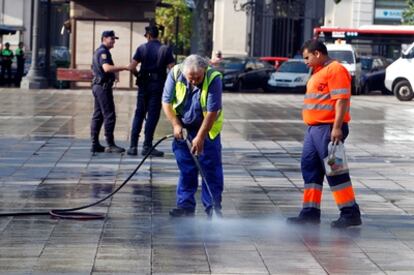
(356,13)
(229,29)
(379,14)
(16,13)
(127,18)
(265,27)
(279,27)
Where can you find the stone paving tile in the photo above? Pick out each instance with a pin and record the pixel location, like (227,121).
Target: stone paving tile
(17,264)
(45,163)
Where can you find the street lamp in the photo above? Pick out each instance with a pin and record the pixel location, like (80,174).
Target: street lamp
(35,78)
(247,7)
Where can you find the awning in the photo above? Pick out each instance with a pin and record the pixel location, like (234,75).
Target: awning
(8,29)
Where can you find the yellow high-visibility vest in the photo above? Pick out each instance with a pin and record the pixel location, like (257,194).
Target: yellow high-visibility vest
(180,91)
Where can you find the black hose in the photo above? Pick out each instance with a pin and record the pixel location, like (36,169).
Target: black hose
(70,213)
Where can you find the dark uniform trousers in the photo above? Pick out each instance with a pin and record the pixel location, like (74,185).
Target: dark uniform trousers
(148,100)
(104,113)
(20,71)
(6,67)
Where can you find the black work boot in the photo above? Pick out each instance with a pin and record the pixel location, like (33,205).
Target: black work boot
(114,149)
(302,220)
(344,222)
(154,153)
(97,148)
(182,212)
(308,215)
(350,216)
(132,151)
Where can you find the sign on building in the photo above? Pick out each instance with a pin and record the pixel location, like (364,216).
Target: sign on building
(390,14)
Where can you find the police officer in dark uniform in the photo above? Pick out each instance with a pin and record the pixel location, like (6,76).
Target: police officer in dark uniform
(104,112)
(155,58)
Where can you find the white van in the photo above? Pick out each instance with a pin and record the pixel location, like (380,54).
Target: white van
(345,54)
(399,76)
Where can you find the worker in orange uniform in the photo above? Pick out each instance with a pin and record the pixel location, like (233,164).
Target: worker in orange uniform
(326,112)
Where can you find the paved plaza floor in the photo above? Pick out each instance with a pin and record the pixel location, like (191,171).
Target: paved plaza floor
(45,163)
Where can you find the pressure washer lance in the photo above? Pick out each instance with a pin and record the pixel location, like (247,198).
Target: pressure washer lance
(200,170)
(70,213)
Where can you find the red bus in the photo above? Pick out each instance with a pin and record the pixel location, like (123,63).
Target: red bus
(276,61)
(385,40)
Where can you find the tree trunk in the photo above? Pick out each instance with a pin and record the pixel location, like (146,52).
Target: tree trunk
(201,34)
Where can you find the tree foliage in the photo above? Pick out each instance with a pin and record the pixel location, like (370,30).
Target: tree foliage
(166,18)
(408,13)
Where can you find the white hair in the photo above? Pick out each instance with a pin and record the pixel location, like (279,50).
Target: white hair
(194,63)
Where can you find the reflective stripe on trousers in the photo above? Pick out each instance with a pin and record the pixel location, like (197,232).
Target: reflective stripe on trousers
(312,195)
(315,149)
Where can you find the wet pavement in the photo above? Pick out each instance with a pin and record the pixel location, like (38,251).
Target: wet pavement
(45,163)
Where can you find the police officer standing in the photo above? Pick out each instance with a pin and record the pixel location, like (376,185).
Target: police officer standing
(104,112)
(155,58)
(20,64)
(7,55)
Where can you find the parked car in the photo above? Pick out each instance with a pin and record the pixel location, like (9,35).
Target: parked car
(275,61)
(346,55)
(292,75)
(373,74)
(399,77)
(244,73)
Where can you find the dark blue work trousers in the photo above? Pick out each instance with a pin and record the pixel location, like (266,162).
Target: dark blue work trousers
(210,161)
(104,113)
(149,108)
(315,150)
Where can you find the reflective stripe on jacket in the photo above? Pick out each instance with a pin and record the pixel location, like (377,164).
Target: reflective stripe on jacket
(326,85)
(180,92)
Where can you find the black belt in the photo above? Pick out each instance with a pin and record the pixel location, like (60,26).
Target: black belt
(153,76)
(105,85)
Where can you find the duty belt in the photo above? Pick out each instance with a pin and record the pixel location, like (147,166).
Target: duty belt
(151,76)
(105,85)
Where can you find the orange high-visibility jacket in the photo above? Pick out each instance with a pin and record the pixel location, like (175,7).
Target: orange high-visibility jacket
(326,85)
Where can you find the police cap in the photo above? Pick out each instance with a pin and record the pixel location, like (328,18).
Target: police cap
(109,34)
(151,30)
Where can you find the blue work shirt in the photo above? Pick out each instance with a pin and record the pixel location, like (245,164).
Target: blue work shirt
(147,54)
(102,56)
(190,112)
